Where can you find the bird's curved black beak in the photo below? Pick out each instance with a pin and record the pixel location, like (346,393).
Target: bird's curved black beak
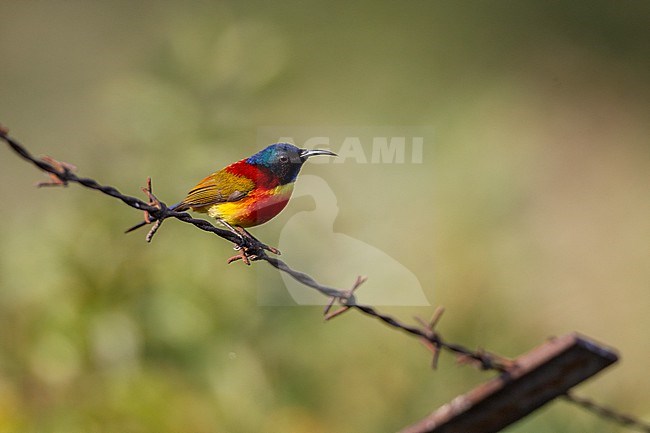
(306,153)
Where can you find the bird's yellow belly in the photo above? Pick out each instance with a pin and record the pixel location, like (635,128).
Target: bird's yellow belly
(256,208)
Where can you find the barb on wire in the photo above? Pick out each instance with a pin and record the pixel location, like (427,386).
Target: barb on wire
(148,218)
(155,212)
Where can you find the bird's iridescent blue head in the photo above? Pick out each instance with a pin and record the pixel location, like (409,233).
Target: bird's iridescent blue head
(284,160)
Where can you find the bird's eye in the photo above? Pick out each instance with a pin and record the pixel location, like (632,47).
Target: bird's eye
(284,158)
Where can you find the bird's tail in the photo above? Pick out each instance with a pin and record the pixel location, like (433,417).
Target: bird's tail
(176,207)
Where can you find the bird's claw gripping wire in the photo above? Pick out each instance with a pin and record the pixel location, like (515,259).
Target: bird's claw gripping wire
(243,255)
(250,248)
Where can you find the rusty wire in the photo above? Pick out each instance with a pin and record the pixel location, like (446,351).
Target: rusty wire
(602,411)
(155,212)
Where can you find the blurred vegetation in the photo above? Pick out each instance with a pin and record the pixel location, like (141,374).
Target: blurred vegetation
(532,203)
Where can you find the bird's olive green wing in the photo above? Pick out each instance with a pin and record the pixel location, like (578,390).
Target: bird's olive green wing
(219,187)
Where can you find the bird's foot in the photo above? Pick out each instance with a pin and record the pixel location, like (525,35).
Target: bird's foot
(241,256)
(247,254)
(244,255)
(256,242)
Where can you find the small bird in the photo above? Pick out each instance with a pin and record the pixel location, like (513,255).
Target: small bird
(249,192)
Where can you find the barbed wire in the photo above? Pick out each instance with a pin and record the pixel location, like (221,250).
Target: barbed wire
(606,412)
(155,212)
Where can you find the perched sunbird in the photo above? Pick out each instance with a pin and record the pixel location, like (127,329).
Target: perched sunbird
(249,192)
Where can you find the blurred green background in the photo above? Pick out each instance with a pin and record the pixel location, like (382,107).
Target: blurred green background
(529,217)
